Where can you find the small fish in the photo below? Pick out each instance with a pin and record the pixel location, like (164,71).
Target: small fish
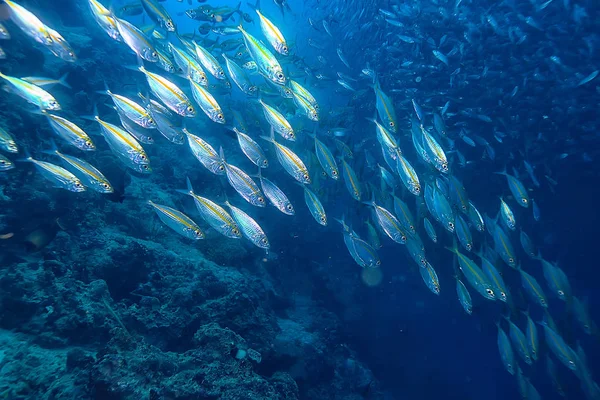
(132,110)
(214,214)
(588,78)
(279,123)
(209,62)
(557,280)
(527,244)
(60,177)
(463,233)
(205,153)
(519,341)
(373,236)
(559,348)
(292,164)
(169,93)
(7,142)
(5,164)
(434,151)
(136,40)
(314,206)
(385,108)
(458,194)
(326,159)
(29,23)
(275,195)
(189,65)
(362,252)
(464,297)
(159,15)
(351,181)
(495,278)
(207,103)
(249,227)
(536,210)
(444,211)
(342,58)
(266,62)
(517,189)
(531,335)
(178,221)
(273,34)
(504,247)
(87,173)
(404,215)
(302,91)
(166,126)
(243,184)
(473,274)
(533,289)
(388,223)
(239,77)
(408,175)
(506,352)
(441,56)
(430,278)
(507,215)
(476,218)
(251,149)
(70,132)
(103,18)
(31,93)
(430,230)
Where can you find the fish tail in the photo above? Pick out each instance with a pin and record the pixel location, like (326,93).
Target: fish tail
(53,150)
(27,157)
(271,137)
(190,190)
(63,80)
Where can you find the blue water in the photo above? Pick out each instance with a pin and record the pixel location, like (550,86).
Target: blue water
(102,300)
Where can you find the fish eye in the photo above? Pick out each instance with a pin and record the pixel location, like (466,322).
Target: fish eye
(445,167)
(323,219)
(105,185)
(490,292)
(203,78)
(285,49)
(221,73)
(3,162)
(511,260)
(451,225)
(403,238)
(190,109)
(289,207)
(146,167)
(88,143)
(261,200)
(334,172)
(220,116)
(264,241)
(561,293)
(235,231)
(280,75)
(392,124)
(221,167)
(154,55)
(524,201)
(378,262)
(143,156)
(305,176)
(418,190)
(197,232)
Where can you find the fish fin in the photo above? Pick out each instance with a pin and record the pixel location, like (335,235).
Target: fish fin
(222,154)
(255,7)
(94,116)
(454,247)
(63,80)
(27,157)
(53,150)
(271,137)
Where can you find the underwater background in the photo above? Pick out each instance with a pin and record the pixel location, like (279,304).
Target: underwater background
(100,298)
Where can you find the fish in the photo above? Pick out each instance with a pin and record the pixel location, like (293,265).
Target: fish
(385,108)
(31,93)
(408,175)
(292,164)
(495,278)
(464,297)
(463,233)
(169,93)
(404,215)
(205,153)
(265,61)
(475,218)
(29,23)
(189,65)
(214,214)
(430,278)
(533,289)
(517,189)
(124,146)
(434,151)
(559,348)
(519,342)
(303,92)
(136,40)
(361,252)
(7,142)
(249,227)
(556,279)
(314,206)
(507,215)
(178,221)
(430,230)
(239,77)
(532,337)
(506,352)
(275,195)
(388,223)
(207,103)
(242,183)
(504,247)
(326,159)
(373,236)
(473,274)
(159,15)
(58,176)
(89,175)
(132,110)
(527,244)
(251,149)
(351,181)
(273,34)
(444,211)
(42,81)
(209,62)
(307,108)
(278,122)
